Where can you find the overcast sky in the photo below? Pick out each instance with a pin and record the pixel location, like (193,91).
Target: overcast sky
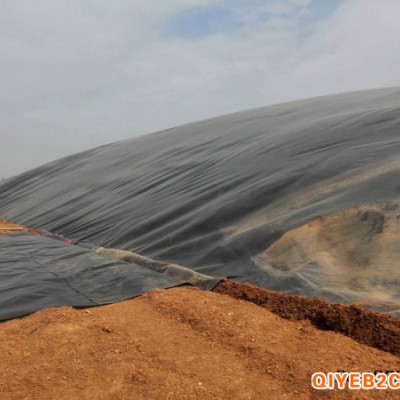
(75,74)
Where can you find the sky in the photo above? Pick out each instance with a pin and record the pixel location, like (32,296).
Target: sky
(76,74)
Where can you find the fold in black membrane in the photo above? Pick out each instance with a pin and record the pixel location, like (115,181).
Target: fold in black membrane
(214,196)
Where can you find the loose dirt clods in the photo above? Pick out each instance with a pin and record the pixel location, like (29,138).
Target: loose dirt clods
(179,343)
(374,329)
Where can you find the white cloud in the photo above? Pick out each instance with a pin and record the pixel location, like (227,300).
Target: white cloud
(77,74)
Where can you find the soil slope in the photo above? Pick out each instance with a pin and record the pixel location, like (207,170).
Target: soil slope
(180,343)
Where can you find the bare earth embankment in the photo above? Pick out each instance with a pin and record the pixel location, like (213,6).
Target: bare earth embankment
(179,343)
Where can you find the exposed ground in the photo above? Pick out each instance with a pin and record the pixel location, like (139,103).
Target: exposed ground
(378,330)
(175,344)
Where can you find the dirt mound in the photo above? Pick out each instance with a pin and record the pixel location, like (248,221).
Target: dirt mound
(179,343)
(373,329)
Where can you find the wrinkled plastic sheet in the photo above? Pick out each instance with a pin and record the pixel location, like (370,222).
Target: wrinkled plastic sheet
(37,272)
(214,195)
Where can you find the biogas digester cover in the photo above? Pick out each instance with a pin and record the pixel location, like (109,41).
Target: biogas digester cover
(300,197)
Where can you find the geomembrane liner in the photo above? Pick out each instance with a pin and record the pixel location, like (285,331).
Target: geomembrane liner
(37,272)
(300,197)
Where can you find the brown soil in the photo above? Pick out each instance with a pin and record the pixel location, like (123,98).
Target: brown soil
(374,329)
(8,227)
(175,344)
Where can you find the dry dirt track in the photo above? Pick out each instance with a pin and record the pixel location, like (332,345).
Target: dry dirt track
(174,344)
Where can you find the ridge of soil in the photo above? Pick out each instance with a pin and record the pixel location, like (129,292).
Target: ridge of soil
(371,328)
(180,343)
